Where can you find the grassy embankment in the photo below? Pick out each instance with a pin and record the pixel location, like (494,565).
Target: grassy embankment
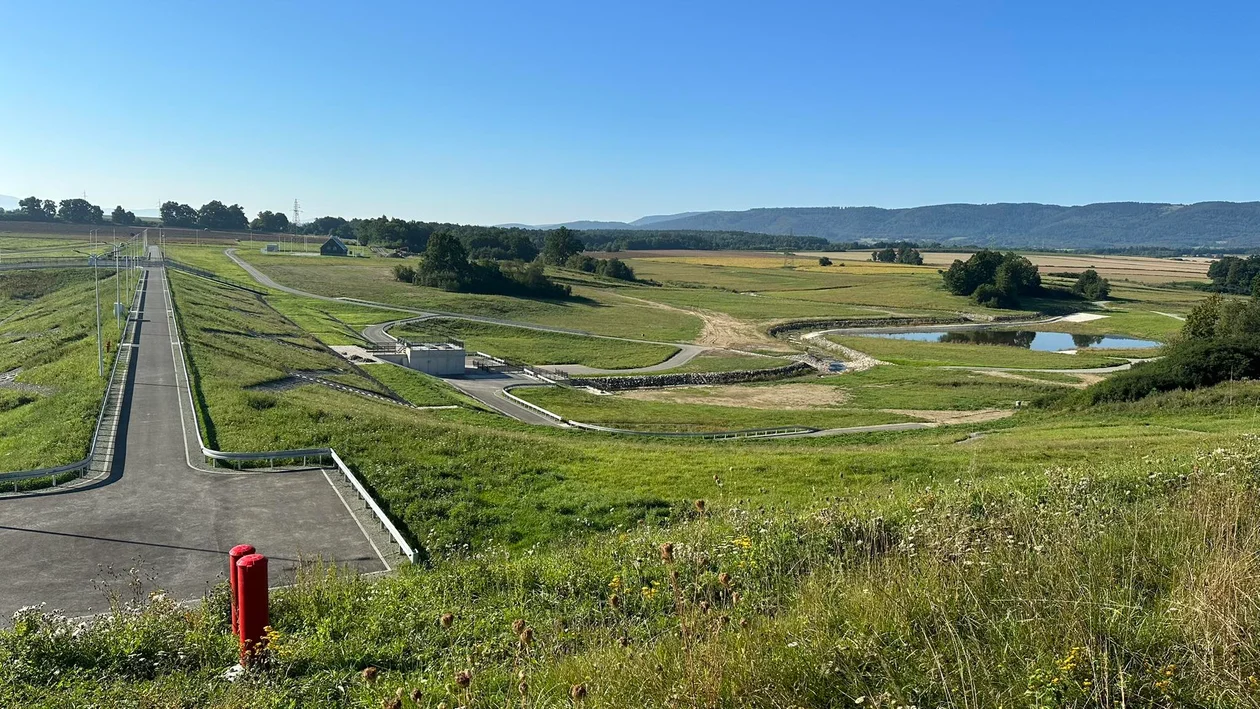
(923,388)
(48,329)
(1123,584)
(591,310)
(538,346)
(457,477)
(665,417)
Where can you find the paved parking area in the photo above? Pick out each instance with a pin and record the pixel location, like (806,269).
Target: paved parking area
(155,514)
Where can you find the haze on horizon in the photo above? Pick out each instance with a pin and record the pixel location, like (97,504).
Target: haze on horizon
(564,111)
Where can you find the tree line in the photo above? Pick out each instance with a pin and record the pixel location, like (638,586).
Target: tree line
(902,254)
(1232,274)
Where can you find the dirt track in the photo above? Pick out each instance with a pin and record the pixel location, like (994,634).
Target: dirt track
(780,397)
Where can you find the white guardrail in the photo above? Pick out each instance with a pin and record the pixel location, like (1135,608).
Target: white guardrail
(129,332)
(211,454)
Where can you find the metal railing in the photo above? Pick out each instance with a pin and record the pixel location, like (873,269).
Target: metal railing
(295,454)
(532,407)
(94,448)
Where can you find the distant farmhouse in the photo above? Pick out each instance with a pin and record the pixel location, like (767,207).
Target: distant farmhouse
(334,247)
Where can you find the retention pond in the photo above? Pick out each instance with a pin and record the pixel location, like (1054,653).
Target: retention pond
(1028,339)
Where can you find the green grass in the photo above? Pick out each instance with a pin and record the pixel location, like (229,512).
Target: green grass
(51,335)
(592,310)
(20,247)
(538,346)
(333,323)
(1074,587)
(722,362)
(621,412)
(896,387)
(416,387)
(939,354)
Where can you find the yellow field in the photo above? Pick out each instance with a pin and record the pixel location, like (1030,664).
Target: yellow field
(1134,268)
(850,261)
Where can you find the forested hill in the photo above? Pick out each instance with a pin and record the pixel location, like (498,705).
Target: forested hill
(1114,224)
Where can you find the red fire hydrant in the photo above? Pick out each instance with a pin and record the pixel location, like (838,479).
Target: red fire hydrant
(251,582)
(238,551)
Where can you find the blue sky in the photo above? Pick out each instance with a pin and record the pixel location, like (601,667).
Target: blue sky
(538,112)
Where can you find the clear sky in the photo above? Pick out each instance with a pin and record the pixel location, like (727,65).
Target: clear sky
(488,112)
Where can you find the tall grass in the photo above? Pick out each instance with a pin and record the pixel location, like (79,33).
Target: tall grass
(1133,585)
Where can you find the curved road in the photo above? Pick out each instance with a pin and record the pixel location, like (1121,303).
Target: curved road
(155,514)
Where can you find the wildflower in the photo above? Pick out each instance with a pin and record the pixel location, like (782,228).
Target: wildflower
(527,636)
(667,552)
(447,620)
(370,674)
(700,506)
(518,625)
(578,692)
(463,679)
(615,584)
(725,579)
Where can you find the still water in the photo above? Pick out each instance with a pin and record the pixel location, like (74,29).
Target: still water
(1043,341)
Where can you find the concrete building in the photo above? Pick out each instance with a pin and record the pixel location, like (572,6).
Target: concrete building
(441,359)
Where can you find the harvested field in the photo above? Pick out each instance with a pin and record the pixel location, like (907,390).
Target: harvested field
(1133,268)
(780,397)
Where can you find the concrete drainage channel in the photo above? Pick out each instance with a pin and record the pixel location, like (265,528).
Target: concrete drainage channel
(101,452)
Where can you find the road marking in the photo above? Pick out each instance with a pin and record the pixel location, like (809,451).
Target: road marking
(355,517)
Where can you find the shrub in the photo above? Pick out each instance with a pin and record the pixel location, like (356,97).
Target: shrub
(1190,365)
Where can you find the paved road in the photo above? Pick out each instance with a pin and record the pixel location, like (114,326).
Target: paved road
(488,387)
(155,513)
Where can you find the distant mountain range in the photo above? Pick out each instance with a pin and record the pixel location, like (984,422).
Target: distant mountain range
(1027,225)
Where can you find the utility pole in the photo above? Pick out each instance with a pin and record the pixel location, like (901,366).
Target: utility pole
(297,214)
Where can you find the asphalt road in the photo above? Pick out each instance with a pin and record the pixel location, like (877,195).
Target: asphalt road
(153,513)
